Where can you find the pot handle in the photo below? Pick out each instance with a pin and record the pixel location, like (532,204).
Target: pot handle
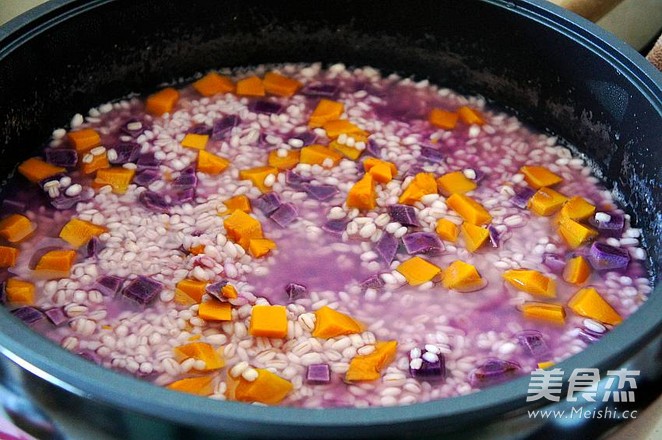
(596,9)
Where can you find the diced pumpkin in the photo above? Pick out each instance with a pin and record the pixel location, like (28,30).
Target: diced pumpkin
(215,311)
(162,101)
(589,303)
(55,264)
(447,230)
(268,388)
(531,281)
(546,202)
(213,83)
(200,351)
(421,185)
(84,140)
(16,227)
(362,194)
(197,249)
(20,292)
(369,367)
(545,365)
(183,299)
(470,116)
(287,162)
(550,312)
(210,163)
(36,170)
(443,119)
(93,162)
(192,288)
(574,233)
(347,151)
(240,202)
(280,85)
(251,86)
(325,111)
(577,270)
(330,323)
(474,236)
(78,232)
(462,277)
(418,271)
(455,183)
(578,209)
(259,247)
(195,141)
(337,127)
(118,178)
(229,291)
(8,256)
(538,177)
(268,321)
(201,386)
(371,162)
(318,155)
(257,176)
(241,228)
(382,173)
(469,209)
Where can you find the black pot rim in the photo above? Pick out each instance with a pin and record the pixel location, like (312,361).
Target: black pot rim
(48,361)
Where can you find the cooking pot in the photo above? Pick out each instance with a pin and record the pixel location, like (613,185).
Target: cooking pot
(553,69)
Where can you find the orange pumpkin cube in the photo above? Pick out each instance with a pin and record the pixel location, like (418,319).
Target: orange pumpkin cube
(330,323)
(443,119)
(589,303)
(93,162)
(470,116)
(574,233)
(319,155)
(578,209)
(241,228)
(285,161)
(194,289)
(417,271)
(213,83)
(463,277)
(362,194)
(422,185)
(200,386)
(162,101)
(268,321)
(336,127)
(84,139)
(16,227)
(577,270)
(215,311)
(251,86)
(195,141)
(546,202)
(268,388)
(347,151)
(280,85)
(326,111)
(211,164)
(447,230)
(455,183)
(474,236)
(78,232)
(369,367)
(36,170)
(200,351)
(20,292)
(469,209)
(531,281)
(258,175)
(259,247)
(550,312)
(538,177)
(240,202)
(55,264)
(118,178)
(8,256)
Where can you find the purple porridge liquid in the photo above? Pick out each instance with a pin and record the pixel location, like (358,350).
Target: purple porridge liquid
(471,327)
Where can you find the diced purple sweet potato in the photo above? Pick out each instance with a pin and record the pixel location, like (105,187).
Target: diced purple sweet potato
(142,290)
(422,243)
(387,247)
